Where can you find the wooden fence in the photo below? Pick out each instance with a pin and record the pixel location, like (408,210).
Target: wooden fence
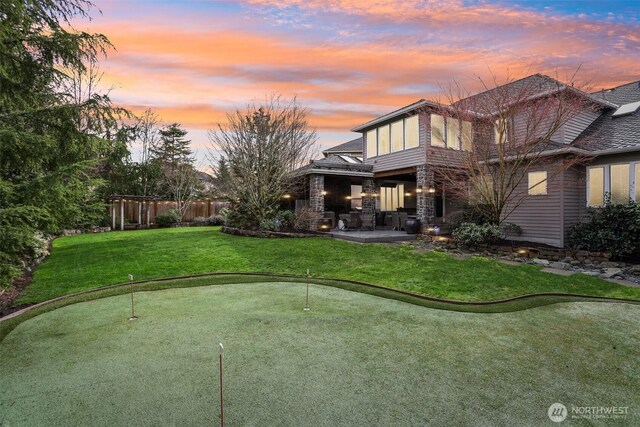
(134,212)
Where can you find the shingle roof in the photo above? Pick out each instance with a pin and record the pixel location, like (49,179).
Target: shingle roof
(610,133)
(353,146)
(620,95)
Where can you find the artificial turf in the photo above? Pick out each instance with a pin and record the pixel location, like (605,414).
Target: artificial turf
(354,359)
(82,262)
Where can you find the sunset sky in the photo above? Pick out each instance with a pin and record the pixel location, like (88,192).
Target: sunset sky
(348,61)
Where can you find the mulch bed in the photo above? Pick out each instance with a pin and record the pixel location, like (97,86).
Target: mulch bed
(270,234)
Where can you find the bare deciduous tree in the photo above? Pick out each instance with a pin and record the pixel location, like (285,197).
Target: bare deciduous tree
(261,146)
(183,183)
(515,126)
(147,135)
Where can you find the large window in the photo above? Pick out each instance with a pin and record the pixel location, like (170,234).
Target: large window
(501,130)
(537,183)
(391,198)
(450,132)
(636,181)
(619,180)
(372,143)
(437,130)
(453,133)
(397,136)
(383,140)
(411,132)
(466,136)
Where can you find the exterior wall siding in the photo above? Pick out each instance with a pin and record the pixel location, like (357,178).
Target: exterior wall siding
(540,217)
(574,200)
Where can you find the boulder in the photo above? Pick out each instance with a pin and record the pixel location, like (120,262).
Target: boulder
(610,272)
(560,265)
(540,261)
(608,264)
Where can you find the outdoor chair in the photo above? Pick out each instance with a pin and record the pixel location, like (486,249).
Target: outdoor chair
(367,221)
(346,219)
(402,217)
(354,222)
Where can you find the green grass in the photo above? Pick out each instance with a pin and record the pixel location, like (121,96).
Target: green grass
(355,359)
(88,261)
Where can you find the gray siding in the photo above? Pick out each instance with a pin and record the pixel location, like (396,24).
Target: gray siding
(576,125)
(540,216)
(400,159)
(574,199)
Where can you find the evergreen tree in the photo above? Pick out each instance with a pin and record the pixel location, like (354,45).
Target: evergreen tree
(49,166)
(173,148)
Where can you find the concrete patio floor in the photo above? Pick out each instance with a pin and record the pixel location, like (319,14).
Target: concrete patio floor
(372,236)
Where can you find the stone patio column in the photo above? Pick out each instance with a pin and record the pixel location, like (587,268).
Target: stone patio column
(425,200)
(316,198)
(369,201)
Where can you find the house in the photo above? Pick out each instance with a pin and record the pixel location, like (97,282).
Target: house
(405,154)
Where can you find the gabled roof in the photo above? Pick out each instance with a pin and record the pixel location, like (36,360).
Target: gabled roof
(399,112)
(353,146)
(609,133)
(337,164)
(531,87)
(620,95)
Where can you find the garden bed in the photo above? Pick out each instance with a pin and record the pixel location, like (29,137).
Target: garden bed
(269,234)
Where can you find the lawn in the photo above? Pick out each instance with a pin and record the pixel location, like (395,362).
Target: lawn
(355,359)
(88,261)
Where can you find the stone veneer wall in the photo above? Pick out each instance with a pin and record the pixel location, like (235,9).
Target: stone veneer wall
(369,201)
(425,201)
(316,199)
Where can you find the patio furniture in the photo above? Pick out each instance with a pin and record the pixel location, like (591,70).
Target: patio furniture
(346,219)
(402,217)
(330,216)
(355,222)
(367,221)
(380,219)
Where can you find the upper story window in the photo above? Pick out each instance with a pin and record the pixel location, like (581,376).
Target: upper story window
(450,132)
(620,181)
(398,136)
(501,131)
(372,143)
(537,183)
(384,140)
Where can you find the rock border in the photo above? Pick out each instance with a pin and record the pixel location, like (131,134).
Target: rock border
(266,234)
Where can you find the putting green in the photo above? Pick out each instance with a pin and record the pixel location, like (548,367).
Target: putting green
(355,359)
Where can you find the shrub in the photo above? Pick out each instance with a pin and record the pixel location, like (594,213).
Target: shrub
(510,229)
(215,220)
(272,224)
(234,217)
(168,218)
(199,221)
(612,228)
(306,219)
(467,213)
(470,234)
(287,218)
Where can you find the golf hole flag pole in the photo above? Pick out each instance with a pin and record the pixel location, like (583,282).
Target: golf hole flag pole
(306,304)
(221,353)
(133,314)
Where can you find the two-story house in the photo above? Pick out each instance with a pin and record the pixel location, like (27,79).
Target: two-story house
(404,153)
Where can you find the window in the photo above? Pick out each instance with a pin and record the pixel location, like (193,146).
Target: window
(383,140)
(397,136)
(501,131)
(411,137)
(637,182)
(437,130)
(466,136)
(595,186)
(619,183)
(453,131)
(538,183)
(372,143)
(391,198)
